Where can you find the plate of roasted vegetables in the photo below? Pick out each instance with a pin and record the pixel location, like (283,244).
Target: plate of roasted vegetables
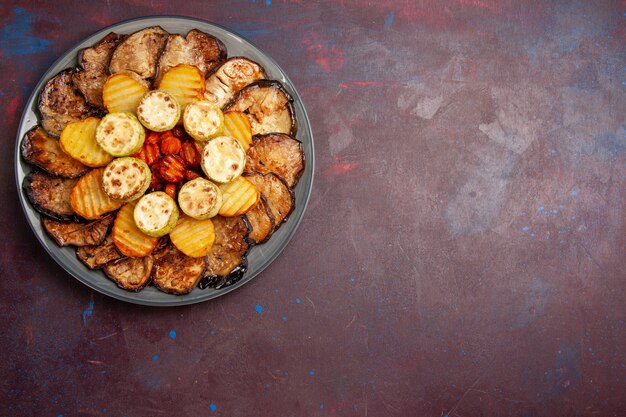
(164,161)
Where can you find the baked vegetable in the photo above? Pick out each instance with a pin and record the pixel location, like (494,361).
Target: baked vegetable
(88,199)
(278,153)
(97,256)
(131,274)
(237,125)
(203,120)
(79,141)
(158,111)
(278,195)
(176,273)
(230,77)
(238,196)
(193,237)
(126,179)
(40,149)
(200,199)
(120,134)
(139,52)
(185,82)
(223,159)
(50,195)
(122,92)
(268,107)
(261,221)
(78,234)
(61,103)
(128,239)
(156,214)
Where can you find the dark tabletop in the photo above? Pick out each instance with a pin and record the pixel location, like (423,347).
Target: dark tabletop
(463,252)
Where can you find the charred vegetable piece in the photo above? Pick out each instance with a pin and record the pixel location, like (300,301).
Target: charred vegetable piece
(261,221)
(226,261)
(126,178)
(199,49)
(131,274)
(230,77)
(278,195)
(139,52)
(89,200)
(268,106)
(40,149)
(60,103)
(97,256)
(78,234)
(176,273)
(278,153)
(94,63)
(50,195)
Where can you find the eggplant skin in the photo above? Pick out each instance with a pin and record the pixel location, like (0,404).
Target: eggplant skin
(267,114)
(60,103)
(131,274)
(230,77)
(279,196)
(97,256)
(226,261)
(176,273)
(94,68)
(261,220)
(50,195)
(78,234)
(139,52)
(42,150)
(278,153)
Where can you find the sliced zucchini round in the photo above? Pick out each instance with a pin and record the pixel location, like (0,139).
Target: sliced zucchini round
(156,214)
(200,199)
(158,111)
(223,159)
(126,178)
(120,134)
(203,120)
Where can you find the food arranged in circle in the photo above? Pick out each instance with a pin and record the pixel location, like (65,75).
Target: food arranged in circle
(162,160)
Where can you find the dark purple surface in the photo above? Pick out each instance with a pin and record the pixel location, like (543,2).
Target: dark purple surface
(463,253)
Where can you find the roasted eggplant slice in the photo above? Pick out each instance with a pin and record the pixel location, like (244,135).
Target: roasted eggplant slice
(176,273)
(261,221)
(131,274)
(139,52)
(278,153)
(78,234)
(40,149)
(279,196)
(268,106)
(199,49)
(94,64)
(50,195)
(60,103)
(230,77)
(226,262)
(97,256)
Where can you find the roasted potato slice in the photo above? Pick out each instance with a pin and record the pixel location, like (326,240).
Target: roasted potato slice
(122,92)
(176,273)
(193,237)
(79,141)
(89,200)
(97,256)
(128,239)
(131,274)
(94,63)
(278,153)
(230,77)
(139,52)
(61,103)
(238,196)
(184,82)
(261,221)
(199,49)
(40,149)
(268,107)
(279,196)
(50,195)
(78,234)
(226,261)
(237,125)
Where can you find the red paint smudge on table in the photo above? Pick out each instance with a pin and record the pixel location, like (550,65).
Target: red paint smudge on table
(13,105)
(349,84)
(329,57)
(341,167)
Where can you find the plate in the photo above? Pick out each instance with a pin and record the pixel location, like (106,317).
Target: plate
(260,256)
